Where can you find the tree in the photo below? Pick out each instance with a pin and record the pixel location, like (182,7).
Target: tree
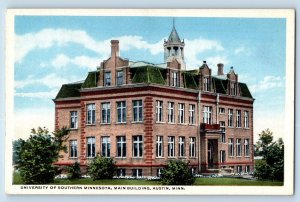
(17,144)
(38,153)
(101,168)
(272,165)
(177,173)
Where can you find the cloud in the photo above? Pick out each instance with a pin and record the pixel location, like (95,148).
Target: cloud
(213,61)
(61,61)
(29,118)
(268,82)
(196,46)
(41,95)
(50,81)
(48,38)
(239,50)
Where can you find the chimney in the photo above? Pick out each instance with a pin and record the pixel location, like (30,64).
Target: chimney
(220,69)
(114,48)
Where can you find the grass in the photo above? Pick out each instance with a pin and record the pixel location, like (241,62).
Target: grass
(199,182)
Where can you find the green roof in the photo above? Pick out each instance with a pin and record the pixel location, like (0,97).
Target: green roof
(147,74)
(91,80)
(190,80)
(69,90)
(151,74)
(245,90)
(220,85)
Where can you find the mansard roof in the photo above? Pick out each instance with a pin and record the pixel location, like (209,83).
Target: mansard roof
(154,74)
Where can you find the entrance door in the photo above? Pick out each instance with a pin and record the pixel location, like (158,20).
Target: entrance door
(210,154)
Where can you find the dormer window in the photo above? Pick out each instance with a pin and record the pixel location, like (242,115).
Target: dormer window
(175,79)
(107,78)
(120,78)
(206,84)
(233,88)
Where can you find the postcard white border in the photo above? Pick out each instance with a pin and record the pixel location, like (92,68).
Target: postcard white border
(288,14)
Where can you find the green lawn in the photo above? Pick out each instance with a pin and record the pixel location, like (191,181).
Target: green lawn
(199,182)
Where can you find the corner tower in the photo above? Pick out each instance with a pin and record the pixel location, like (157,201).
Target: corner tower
(174,48)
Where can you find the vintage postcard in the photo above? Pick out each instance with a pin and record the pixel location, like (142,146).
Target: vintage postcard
(145,101)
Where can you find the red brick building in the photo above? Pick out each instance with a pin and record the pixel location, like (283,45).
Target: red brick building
(143,115)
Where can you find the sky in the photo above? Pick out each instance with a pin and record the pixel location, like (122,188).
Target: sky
(53,50)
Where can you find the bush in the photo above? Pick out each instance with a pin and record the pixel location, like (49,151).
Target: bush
(177,173)
(37,154)
(101,168)
(74,171)
(262,170)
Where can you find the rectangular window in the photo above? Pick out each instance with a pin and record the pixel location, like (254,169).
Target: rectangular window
(73,149)
(207,114)
(91,149)
(222,156)
(74,120)
(137,110)
(206,84)
(223,134)
(238,147)
(192,148)
(233,88)
(105,146)
(247,148)
(246,119)
(159,146)
(137,146)
(91,113)
(221,110)
(120,78)
(247,169)
(171,146)
(107,78)
(230,147)
(171,112)
(181,145)
(239,169)
(121,172)
(105,112)
(159,172)
(121,111)
(238,119)
(137,173)
(175,79)
(121,146)
(181,113)
(230,117)
(192,118)
(159,111)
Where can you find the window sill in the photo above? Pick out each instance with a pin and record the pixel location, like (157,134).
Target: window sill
(91,124)
(192,124)
(194,157)
(238,156)
(105,123)
(171,157)
(73,158)
(90,158)
(182,157)
(137,122)
(121,123)
(121,158)
(247,156)
(238,127)
(159,157)
(230,156)
(160,122)
(184,124)
(73,129)
(230,127)
(137,157)
(172,123)
(247,128)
